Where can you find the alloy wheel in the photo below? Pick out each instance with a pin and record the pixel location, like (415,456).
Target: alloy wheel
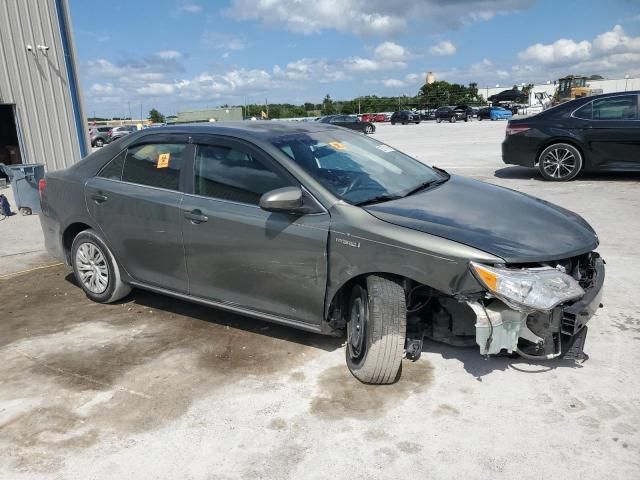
(92,268)
(559,163)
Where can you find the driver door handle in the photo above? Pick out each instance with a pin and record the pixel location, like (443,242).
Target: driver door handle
(99,198)
(196,216)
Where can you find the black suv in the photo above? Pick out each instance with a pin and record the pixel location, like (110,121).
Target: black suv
(453,114)
(404,117)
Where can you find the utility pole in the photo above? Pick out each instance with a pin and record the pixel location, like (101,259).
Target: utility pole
(140,113)
(358,105)
(129,104)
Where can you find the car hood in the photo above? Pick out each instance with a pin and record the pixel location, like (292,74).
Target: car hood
(514,226)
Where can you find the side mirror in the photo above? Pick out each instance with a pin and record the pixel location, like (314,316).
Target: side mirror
(287,200)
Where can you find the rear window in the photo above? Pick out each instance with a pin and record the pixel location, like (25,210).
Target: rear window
(154,165)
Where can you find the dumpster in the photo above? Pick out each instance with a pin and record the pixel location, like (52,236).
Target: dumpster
(24,180)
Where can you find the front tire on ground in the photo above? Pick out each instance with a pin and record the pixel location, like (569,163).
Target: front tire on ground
(453,119)
(96,269)
(376,330)
(560,162)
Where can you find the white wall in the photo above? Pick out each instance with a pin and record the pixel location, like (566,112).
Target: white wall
(607,86)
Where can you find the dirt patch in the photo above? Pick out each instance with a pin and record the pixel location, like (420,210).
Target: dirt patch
(340,395)
(123,368)
(409,447)
(278,424)
(444,409)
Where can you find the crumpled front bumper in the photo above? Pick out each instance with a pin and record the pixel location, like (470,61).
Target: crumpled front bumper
(539,335)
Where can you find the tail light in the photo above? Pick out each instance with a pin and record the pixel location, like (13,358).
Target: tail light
(513,129)
(42,185)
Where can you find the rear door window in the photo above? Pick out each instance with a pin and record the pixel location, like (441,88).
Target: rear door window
(616,108)
(585,112)
(155,165)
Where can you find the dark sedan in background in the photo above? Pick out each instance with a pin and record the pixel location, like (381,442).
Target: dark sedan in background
(404,117)
(587,134)
(453,114)
(349,121)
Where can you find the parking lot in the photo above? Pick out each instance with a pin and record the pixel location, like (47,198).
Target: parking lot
(155,387)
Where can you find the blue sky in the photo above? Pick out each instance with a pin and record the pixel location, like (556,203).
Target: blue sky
(181,54)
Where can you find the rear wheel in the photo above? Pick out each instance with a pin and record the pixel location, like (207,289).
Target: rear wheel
(452,119)
(479,118)
(99,142)
(96,269)
(560,162)
(368,129)
(376,330)
(438,120)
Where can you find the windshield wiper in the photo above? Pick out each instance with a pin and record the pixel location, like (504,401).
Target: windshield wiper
(445,176)
(378,199)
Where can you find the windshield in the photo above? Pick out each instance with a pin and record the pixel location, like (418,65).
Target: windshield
(356,168)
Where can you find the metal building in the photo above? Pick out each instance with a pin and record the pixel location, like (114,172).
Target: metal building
(41,110)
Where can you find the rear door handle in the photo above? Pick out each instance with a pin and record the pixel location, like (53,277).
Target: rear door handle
(196,216)
(99,198)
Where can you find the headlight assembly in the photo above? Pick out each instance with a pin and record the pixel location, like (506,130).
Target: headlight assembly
(529,288)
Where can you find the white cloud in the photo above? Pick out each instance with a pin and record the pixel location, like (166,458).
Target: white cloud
(169,54)
(156,89)
(369,17)
(191,8)
(443,48)
(562,50)
(391,51)
(223,41)
(612,53)
(393,82)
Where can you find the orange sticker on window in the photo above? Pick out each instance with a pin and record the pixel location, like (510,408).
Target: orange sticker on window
(337,145)
(163,160)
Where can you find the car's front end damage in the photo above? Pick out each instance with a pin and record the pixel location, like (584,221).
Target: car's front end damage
(539,311)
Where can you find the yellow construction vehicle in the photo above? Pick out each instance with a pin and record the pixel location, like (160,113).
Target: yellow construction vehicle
(570,88)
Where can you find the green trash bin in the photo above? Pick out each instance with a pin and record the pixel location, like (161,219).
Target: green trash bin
(24,179)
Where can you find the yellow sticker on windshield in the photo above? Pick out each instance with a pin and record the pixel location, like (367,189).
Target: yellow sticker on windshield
(337,145)
(163,160)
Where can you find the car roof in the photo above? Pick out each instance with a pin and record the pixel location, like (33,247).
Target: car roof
(256,130)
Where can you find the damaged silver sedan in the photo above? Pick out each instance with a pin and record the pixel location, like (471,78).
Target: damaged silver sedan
(330,231)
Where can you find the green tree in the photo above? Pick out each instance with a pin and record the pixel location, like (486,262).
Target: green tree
(328,107)
(155,116)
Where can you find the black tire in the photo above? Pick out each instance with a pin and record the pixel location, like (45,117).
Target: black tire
(466,119)
(404,122)
(560,162)
(393,123)
(438,120)
(452,119)
(418,122)
(115,288)
(99,142)
(479,118)
(369,129)
(374,350)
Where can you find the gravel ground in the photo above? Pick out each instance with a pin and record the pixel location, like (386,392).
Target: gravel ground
(158,388)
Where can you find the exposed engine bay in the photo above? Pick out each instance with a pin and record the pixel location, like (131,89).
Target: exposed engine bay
(500,324)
